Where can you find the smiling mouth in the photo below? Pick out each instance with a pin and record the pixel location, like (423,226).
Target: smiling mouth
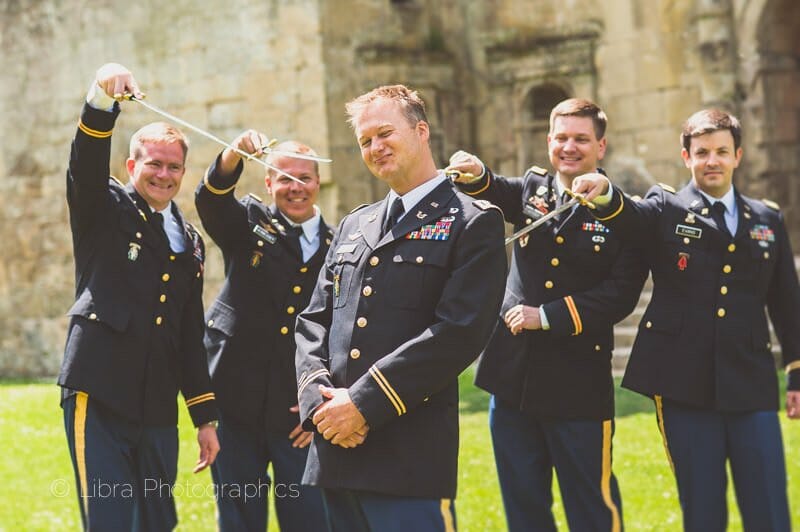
(160,186)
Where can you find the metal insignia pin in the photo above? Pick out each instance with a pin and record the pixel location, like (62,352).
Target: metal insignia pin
(453,210)
(421,215)
(541,190)
(133,251)
(704,211)
(434,204)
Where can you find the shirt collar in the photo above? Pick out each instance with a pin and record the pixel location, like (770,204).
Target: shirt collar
(310,227)
(415,195)
(729,200)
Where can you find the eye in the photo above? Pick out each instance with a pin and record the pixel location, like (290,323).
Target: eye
(365,143)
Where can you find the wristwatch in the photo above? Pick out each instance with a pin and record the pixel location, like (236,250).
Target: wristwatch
(214,423)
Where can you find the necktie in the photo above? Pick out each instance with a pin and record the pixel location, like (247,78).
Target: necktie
(395,212)
(157,221)
(718,213)
(293,237)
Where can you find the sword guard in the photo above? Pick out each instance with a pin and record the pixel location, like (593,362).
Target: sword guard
(583,201)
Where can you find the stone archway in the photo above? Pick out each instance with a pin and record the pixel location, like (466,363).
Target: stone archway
(535,122)
(769,74)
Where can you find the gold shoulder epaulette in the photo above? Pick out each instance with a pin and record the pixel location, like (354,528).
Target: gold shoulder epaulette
(255,197)
(538,170)
(359,207)
(666,187)
(771,204)
(120,183)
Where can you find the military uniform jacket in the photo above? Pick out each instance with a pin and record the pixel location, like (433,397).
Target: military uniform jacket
(585,279)
(395,320)
(704,338)
(135,335)
(250,334)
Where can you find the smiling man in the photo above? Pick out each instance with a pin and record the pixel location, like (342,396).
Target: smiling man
(135,335)
(404,302)
(703,350)
(272,256)
(548,362)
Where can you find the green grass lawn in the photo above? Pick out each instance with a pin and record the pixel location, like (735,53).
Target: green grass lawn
(39,489)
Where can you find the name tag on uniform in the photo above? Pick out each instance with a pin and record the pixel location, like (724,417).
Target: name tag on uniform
(263,233)
(346,248)
(691,232)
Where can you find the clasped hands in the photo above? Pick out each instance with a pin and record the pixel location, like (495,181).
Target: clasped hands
(338,420)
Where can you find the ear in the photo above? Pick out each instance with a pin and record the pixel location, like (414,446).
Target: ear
(268,184)
(130,164)
(739,154)
(685,156)
(601,152)
(423,130)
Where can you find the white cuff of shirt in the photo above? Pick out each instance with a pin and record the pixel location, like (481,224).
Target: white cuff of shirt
(605,199)
(543,319)
(97,98)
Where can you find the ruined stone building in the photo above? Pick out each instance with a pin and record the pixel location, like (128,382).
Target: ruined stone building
(489,70)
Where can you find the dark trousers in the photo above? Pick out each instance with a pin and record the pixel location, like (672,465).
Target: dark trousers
(700,442)
(243,484)
(362,511)
(527,450)
(124,472)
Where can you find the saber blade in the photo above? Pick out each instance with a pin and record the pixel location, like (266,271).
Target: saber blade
(206,134)
(555,212)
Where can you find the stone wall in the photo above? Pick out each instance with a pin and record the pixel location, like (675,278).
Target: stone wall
(223,66)
(489,71)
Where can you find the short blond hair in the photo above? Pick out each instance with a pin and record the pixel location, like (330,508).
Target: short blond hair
(412,105)
(160,133)
(292,146)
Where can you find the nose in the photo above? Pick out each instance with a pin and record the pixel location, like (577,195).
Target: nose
(569,145)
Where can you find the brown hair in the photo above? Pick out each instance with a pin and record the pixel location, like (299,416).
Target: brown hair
(157,132)
(412,105)
(583,108)
(710,120)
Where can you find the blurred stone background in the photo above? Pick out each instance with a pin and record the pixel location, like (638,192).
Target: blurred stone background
(489,70)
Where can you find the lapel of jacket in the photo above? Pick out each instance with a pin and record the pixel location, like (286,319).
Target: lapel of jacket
(145,213)
(370,220)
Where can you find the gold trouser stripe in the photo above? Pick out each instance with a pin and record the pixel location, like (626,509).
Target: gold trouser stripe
(605,479)
(388,390)
(615,213)
(200,399)
(447,516)
(793,365)
(93,132)
(660,417)
(215,190)
(79,431)
(309,378)
(484,187)
(576,317)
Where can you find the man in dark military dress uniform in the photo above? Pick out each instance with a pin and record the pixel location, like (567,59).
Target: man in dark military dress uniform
(405,301)
(703,351)
(548,363)
(272,255)
(136,329)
